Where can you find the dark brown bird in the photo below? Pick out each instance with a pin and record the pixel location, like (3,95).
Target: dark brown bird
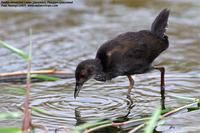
(127,54)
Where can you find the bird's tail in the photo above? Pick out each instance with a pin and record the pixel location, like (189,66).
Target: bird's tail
(159,25)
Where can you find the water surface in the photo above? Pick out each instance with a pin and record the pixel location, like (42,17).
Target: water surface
(62,37)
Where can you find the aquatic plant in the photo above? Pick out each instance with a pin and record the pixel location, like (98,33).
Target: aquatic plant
(26,122)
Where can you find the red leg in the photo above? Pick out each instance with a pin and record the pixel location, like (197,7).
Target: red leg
(162,85)
(131,81)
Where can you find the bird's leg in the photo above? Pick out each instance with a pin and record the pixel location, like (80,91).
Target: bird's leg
(131,81)
(162,85)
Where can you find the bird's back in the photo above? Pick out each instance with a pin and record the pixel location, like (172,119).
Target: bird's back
(130,53)
(133,52)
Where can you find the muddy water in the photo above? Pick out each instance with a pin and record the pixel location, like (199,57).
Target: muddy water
(62,37)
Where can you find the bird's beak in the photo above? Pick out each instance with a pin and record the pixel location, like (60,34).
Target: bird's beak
(77,89)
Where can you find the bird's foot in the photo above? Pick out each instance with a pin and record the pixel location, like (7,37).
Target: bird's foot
(130,101)
(129,98)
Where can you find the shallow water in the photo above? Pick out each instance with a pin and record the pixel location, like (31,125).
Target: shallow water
(63,37)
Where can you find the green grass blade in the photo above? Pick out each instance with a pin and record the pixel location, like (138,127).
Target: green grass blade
(10,130)
(166,110)
(44,77)
(30,44)
(193,109)
(91,124)
(14,50)
(152,122)
(198,102)
(9,115)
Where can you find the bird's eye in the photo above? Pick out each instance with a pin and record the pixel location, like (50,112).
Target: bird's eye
(82,76)
(89,70)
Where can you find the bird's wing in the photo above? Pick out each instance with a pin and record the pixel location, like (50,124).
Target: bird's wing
(107,54)
(121,55)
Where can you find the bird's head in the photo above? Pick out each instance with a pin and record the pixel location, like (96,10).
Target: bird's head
(84,71)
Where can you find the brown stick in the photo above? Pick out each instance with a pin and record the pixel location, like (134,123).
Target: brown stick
(21,75)
(26,122)
(26,125)
(49,71)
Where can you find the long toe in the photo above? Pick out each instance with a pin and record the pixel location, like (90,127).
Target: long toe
(130,101)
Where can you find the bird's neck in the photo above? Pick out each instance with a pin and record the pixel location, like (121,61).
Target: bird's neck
(98,65)
(100,75)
